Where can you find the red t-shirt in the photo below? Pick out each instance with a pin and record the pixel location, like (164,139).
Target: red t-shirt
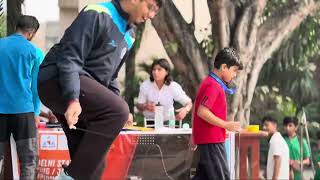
(212,96)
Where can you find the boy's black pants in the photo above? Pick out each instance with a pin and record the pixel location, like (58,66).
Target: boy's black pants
(213,163)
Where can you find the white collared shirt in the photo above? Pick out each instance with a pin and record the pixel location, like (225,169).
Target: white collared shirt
(149,92)
(278,147)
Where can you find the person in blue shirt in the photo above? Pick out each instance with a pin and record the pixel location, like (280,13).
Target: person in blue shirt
(19,101)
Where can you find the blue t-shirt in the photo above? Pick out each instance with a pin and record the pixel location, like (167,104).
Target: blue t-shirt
(19,67)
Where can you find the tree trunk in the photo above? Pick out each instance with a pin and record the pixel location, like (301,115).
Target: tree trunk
(130,94)
(181,46)
(13,13)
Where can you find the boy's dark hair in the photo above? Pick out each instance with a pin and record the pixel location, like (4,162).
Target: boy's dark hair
(288,120)
(27,23)
(269,119)
(165,65)
(228,56)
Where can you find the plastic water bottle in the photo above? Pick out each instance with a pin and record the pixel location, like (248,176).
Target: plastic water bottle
(158,124)
(185,126)
(172,118)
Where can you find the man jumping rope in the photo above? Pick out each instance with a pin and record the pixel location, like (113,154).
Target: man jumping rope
(77,80)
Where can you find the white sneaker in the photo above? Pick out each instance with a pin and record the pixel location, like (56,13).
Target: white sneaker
(63,176)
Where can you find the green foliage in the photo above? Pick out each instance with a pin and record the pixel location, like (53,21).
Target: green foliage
(208,46)
(313,129)
(172,46)
(145,66)
(139,119)
(135,83)
(304,43)
(268,101)
(274,6)
(313,113)
(292,67)
(296,80)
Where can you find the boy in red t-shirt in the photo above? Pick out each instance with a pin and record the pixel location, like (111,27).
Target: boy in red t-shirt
(210,114)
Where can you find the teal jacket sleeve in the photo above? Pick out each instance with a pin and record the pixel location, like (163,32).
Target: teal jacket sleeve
(35,70)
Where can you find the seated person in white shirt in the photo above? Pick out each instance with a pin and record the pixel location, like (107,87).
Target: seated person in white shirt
(278,155)
(160,89)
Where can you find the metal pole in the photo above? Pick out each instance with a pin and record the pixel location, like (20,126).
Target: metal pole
(304,119)
(301,147)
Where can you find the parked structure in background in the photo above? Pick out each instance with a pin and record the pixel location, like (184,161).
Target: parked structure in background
(48,35)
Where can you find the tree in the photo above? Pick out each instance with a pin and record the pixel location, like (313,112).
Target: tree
(131,81)
(13,13)
(256,28)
